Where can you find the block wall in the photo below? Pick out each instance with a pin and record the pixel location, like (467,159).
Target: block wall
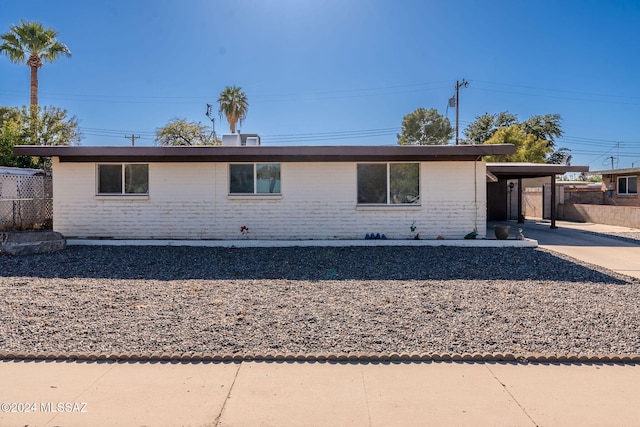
(317,201)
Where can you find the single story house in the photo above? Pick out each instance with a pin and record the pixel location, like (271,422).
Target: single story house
(620,186)
(259,192)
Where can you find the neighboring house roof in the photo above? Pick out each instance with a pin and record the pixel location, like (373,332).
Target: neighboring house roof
(266,154)
(512,170)
(6,170)
(627,171)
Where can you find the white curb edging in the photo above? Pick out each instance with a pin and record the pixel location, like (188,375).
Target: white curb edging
(479,243)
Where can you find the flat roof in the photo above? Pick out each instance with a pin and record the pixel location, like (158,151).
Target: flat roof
(264,154)
(632,171)
(512,170)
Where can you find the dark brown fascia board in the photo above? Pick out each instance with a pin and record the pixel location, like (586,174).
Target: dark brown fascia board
(532,170)
(265,154)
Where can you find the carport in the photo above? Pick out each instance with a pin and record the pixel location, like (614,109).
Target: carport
(499,173)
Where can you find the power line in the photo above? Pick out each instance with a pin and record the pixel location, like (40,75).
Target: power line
(559,90)
(559,97)
(334,133)
(329,94)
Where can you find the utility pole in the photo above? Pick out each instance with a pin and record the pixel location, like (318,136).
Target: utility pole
(459,84)
(133,139)
(213,123)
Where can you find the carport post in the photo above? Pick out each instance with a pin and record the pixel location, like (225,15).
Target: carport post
(553,201)
(520,216)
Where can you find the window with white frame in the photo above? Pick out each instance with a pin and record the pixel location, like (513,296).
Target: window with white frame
(123,179)
(389,183)
(254,178)
(627,185)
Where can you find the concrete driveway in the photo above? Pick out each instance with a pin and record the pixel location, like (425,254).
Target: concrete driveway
(586,242)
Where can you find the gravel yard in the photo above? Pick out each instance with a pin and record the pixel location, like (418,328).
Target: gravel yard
(304,300)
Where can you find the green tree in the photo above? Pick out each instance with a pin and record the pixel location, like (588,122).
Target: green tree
(181,132)
(547,127)
(35,126)
(528,148)
(543,127)
(233,105)
(7,113)
(32,44)
(425,127)
(559,156)
(483,128)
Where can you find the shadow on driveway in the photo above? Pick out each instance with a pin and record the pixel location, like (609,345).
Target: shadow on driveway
(562,236)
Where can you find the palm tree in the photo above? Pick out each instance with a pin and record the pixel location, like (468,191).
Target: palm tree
(38,43)
(234,105)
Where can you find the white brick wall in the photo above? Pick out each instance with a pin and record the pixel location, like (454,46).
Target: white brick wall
(318,201)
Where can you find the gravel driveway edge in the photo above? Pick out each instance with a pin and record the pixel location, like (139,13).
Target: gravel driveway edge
(325,358)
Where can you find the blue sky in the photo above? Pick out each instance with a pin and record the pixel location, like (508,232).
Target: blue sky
(341,72)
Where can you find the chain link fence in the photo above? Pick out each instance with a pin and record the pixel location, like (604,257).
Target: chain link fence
(26,201)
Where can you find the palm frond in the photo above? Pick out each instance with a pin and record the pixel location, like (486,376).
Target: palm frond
(233,105)
(12,48)
(31,38)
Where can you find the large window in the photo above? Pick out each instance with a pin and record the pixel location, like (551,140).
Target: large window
(254,178)
(123,179)
(389,183)
(627,185)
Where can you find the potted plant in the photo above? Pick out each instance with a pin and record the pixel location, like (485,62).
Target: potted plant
(502,231)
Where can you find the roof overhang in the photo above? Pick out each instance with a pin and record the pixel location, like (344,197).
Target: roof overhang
(531,170)
(626,171)
(265,154)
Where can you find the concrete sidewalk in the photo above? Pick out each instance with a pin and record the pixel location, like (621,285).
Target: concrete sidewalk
(317,394)
(586,242)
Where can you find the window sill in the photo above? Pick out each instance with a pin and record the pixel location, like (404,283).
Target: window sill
(119,197)
(254,197)
(627,194)
(388,207)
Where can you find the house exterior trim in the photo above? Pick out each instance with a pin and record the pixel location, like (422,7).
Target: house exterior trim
(530,170)
(395,153)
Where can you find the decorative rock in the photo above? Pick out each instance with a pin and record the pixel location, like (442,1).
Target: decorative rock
(31,242)
(385,302)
